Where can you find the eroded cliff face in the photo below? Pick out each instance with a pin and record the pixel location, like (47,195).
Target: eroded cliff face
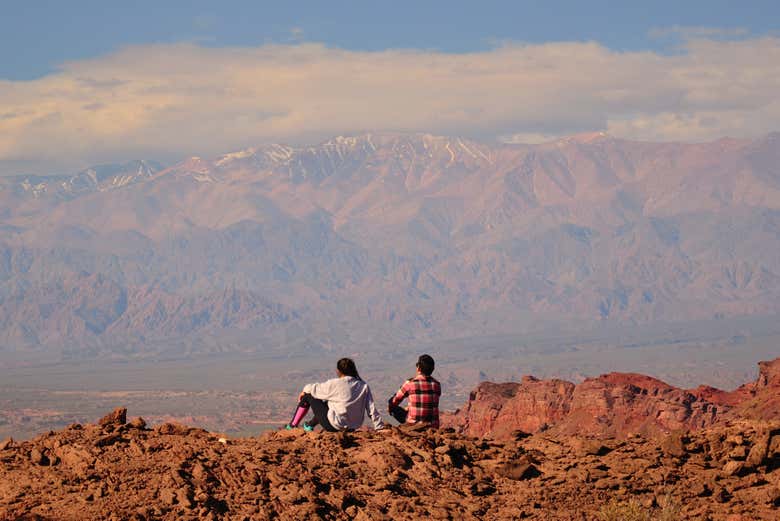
(761,399)
(768,375)
(498,410)
(613,405)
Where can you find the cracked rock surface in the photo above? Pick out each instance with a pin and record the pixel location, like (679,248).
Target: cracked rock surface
(125,471)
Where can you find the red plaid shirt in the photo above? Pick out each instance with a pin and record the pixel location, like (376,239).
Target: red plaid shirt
(423,393)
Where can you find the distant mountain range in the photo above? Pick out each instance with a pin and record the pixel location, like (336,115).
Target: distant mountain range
(384,239)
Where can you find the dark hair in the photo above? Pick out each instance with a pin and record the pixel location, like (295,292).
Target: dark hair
(347,367)
(425,364)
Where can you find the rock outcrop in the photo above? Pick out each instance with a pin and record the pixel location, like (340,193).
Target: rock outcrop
(125,471)
(613,405)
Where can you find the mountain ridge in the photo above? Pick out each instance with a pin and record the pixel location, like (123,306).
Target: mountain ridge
(435,237)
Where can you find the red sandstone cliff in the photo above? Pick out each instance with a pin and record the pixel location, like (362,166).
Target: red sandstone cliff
(612,405)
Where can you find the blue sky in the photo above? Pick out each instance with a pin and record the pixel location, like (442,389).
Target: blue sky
(37,36)
(88,82)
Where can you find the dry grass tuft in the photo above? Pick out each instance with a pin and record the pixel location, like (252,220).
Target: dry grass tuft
(623,511)
(668,510)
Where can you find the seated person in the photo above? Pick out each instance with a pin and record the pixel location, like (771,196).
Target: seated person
(423,392)
(338,404)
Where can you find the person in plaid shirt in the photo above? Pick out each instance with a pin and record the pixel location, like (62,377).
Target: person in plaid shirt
(423,392)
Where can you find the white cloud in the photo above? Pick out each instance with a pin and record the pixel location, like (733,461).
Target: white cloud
(169,101)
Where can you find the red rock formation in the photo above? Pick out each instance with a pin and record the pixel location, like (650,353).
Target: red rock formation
(535,404)
(761,399)
(612,405)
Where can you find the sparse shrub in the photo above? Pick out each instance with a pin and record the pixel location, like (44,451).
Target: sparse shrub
(623,511)
(668,510)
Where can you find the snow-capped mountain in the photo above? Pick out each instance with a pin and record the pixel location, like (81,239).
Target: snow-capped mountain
(402,237)
(99,178)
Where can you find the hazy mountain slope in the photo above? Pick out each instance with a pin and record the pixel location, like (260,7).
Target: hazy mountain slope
(428,236)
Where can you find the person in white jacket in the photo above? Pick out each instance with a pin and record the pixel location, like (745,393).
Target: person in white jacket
(338,404)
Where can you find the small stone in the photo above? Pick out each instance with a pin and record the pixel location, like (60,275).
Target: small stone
(110,439)
(721,495)
(173,429)
(520,435)
(168,496)
(606,483)
(587,447)
(37,457)
(200,472)
(774,447)
(597,473)
(138,423)
(735,439)
(700,489)
(674,445)
(6,443)
(518,471)
(733,468)
(738,453)
(77,460)
(759,451)
(117,417)
(773,496)
(183,496)
(482,488)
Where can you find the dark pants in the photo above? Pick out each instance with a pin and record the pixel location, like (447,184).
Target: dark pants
(320,410)
(399,413)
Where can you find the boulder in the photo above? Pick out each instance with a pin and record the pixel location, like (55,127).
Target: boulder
(174,429)
(759,451)
(674,445)
(138,423)
(117,417)
(38,457)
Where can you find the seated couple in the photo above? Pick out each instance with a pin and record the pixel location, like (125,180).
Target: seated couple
(340,403)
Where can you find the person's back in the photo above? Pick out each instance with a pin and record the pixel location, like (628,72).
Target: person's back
(348,398)
(423,392)
(338,404)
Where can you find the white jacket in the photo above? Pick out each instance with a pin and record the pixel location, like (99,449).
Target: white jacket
(347,398)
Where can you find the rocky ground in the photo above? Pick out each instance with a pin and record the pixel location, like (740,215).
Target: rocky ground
(121,471)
